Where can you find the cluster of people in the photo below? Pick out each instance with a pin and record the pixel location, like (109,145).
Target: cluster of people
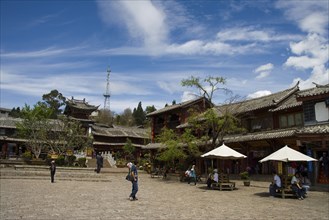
(299,184)
(190,174)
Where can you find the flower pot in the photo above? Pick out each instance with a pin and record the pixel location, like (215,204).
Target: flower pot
(246,182)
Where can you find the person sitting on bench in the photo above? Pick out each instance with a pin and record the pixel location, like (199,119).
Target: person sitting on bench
(212,178)
(276,184)
(296,186)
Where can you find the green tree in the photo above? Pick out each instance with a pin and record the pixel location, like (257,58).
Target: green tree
(105,116)
(54,100)
(69,135)
(150,109)
(129,148)
(139,115)
(35,127)
(15,112)
(174,149)
(215,123)
(178,147)
(126,118)
(206,86)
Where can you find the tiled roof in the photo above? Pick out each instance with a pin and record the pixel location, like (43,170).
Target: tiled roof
(152,146)
(273,134)
(9,122)
(280,133)
(268,101)
(291,102)
(119,131)
(315,129)
(176,106)
(115,144)
(318,90)
(5,109)
(81,104)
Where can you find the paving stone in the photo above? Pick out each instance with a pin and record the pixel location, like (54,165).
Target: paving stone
(37,198)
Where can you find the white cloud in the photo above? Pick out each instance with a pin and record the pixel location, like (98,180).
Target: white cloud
(188,95)
(263,75)
(311,52)
(259,94)
(264,70)
(319,75)
(152,23)
(50,51)
(143,20)
(265,67)
(311,16)
(198,47)
(171,87)
(251,33)
(316,22)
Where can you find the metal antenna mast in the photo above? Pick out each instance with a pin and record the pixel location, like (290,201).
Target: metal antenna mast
(107,94)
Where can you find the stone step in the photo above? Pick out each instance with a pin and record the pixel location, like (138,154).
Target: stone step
(91,163)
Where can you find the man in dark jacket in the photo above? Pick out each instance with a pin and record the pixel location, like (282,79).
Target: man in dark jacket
(99,160)
(52,170)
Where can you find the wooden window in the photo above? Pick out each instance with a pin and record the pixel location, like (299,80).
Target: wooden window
(299,119)
(283,121)
(309,111)
(291,120)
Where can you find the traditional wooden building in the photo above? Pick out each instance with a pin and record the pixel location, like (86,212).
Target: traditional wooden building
(112,139)
(9,141)
(287,120)
(174,115)
(291,117)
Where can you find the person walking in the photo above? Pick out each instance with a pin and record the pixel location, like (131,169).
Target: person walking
(134,180)
(192,175)
(52,170)
(99,162)
(324,159)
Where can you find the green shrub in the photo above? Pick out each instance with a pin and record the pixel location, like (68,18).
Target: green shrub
(60,161)
(244,175)
(27,155)
(70,160)
(82,162)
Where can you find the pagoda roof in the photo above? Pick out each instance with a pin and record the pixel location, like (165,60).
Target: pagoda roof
(81,105)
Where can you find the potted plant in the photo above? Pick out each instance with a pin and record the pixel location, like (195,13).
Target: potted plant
(245,177)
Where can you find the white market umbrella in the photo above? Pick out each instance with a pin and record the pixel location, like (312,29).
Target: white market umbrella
(287,154)
(223,152)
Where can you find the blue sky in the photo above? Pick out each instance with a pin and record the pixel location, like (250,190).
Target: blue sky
(259,46)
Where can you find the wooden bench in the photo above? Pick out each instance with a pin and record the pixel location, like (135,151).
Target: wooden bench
(285,189)
(223,182)
(157,173)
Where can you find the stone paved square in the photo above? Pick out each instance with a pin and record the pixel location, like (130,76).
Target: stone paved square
(158,199)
